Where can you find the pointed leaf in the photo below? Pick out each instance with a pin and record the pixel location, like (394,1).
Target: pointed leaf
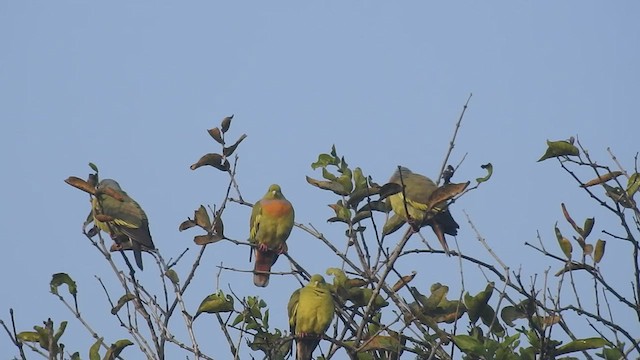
(566,247)
(360,194)
(446,192)
(121,302)
(215,303)
(602,179)
(29,336)
(93,167)
(227,151)
(489,168)
(173,276)
(60,331)
(389,189)
(207,239)
(361,215)
(226,123)
(588,226)
(620,196)
(581,345)
(599,252)
(78,183)
(202,218)
(633,184)
(468,344)
(565,212)
(62,278)
(216,135)
(187,224)
(212,159)
(337,188)
(341,211)
(559,148)
(403,281)
(328,175)
(511,313)
(116,348)
(392,224)
(324,160)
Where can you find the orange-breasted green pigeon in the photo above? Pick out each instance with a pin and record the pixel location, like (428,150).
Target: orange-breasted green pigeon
(311,311)
(417,189)
(121,217)
(270,226)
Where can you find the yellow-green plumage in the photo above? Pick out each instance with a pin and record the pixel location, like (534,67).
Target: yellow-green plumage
(272,219)
(418,189)
(127,221)
(311,310)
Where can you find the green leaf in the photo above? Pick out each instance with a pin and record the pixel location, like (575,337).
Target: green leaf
(588,226)
(173,276)
(326,160)
(75,356)
(328,175)
(116,348)
(359,180)
(633,184)
(599,252)
(29,336)
(62,278)
(336,187)
(215,303)
(469,344)
(392,224)
(489,168)
(476,304)
(581,345)
(559,148)
(93,350)
(60,331)
(93,167)
(121,302)
(612,354)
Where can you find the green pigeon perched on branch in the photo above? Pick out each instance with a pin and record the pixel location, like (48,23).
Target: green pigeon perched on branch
(270,226)
(418,189)
(311,311)
(119,215)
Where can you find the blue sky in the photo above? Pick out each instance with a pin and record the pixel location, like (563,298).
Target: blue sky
(132,87)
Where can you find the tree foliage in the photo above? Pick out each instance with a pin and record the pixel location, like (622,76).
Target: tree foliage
(381,312)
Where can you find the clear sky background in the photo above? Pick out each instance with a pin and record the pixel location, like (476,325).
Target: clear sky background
(133,86)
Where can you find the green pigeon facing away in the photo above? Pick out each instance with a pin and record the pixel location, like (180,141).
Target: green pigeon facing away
(418,188)
(270,225)
(311,311)
(122,218)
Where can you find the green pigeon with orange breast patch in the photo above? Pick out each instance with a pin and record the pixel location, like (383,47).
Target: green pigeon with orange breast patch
(270,225)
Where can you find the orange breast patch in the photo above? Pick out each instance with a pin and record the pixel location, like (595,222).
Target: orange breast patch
(276,208)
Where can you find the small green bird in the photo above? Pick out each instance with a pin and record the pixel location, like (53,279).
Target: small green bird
(417,189)
(122,218)
(270,225)
(311,310)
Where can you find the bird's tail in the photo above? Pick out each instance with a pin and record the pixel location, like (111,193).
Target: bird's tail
(305,347)
(137,253)
(262,267)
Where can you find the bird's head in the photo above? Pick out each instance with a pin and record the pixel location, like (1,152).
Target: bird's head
(316,280)
(109,183)
(274,192)
(396,175)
